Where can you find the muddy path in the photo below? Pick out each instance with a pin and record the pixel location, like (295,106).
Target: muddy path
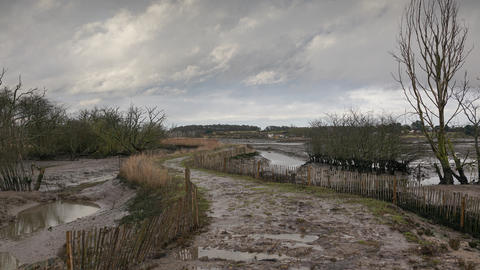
(256,225)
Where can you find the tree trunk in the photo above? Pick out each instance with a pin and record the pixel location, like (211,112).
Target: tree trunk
(477,150)
(447,176)
(40,176)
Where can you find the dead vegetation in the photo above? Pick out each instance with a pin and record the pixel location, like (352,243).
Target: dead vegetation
(143,170)
(198,143)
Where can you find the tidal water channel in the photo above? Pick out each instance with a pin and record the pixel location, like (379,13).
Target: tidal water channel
(280,159)
(39,218)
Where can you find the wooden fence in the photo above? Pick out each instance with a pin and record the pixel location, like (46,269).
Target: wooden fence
(127,245)
(452,209)
(218,160)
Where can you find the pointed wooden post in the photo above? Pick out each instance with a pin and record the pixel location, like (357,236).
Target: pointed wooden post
(462,215)
(308,175)
(69,251)
(394,190)
(258,171)
(186,179)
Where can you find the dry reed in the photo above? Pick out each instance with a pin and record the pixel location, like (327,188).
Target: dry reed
(200,143)
(142,169)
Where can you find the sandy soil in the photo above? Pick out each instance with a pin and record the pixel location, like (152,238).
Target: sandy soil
(255,226)
(109,195)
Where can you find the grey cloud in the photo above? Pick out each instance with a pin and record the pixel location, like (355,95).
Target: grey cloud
(240,59)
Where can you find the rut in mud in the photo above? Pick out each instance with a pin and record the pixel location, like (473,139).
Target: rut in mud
(256,225)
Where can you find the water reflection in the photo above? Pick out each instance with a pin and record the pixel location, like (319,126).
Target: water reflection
(195,253)
(46,216)
(281,160)
(8,261)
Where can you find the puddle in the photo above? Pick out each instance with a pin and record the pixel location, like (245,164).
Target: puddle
(196,253)
(295,237)
(281,160)
(307,245)
(46,216)
(300,241)
(8,261)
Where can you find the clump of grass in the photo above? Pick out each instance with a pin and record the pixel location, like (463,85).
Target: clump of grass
(454,243)
(473,244)
(411,237)
(466,265)
(300,220)
(143,170)
(371,243)
(429,232)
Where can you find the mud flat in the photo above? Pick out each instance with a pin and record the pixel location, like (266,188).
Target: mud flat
(257,225)
(91,181)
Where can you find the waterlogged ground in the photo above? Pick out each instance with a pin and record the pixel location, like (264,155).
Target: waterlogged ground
(256,225)
(40,236)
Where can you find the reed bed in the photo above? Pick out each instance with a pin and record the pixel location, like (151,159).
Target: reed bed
(128,245)
(199,143)
(452,209)
(142,169)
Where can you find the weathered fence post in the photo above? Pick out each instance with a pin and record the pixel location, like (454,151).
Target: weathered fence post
(308,175)
(186,179)
(462,214)
(394,190)
(69,251)
(224,164)
(258,171)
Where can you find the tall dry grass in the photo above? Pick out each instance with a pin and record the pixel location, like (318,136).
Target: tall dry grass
(143,169)
(200,143)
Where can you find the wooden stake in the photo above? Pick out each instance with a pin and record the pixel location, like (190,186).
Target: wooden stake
(462,214)
(394,190)
(308,175)
(69,251)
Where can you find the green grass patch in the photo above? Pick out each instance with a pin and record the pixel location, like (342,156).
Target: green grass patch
(150,202)
(411,237)
(369,243)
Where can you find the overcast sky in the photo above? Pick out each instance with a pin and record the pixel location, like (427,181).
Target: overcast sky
(208,62)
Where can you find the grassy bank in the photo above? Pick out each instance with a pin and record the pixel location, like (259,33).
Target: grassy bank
(158,187)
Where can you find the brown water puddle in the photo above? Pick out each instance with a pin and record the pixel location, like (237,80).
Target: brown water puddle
(213,253)
(39,218)
(47,215)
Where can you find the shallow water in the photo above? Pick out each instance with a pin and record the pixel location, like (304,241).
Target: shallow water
(47,215)
(280,159)
(295,237)
(196,253)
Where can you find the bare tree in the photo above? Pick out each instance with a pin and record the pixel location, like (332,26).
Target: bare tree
(472,111)
(135,129)
(13,175)
(431,51)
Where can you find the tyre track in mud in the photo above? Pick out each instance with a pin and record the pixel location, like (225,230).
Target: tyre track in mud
(256,225)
